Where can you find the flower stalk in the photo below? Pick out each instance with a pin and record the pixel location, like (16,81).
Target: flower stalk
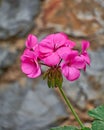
(71,107)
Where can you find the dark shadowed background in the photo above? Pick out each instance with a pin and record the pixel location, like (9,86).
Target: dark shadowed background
(28,104)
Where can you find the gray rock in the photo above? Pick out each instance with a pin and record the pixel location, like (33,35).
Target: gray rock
(29,108)
(101,2)
(97,62)
(17,17)
(7,57)
(10,101)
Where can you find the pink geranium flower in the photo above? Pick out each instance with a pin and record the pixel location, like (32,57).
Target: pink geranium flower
(72,65)
(29,64)
(55,50)
(84,53)
(53,47)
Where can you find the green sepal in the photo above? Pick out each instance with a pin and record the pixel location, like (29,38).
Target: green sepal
(49,80)
(49,83)
(52,72)
(58,79)
(45,75)
(53,82)
(54,77)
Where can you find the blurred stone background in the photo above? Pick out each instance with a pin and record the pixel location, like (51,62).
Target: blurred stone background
(28,104)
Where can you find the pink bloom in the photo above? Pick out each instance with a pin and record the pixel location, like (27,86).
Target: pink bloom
(51,50)
(72,65)
(29,64)
(53,47)
(84,54)
(31,42)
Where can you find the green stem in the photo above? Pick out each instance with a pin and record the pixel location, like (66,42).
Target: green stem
(71,107)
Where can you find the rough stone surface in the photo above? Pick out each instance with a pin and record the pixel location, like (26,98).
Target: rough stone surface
(29,106)
(16,18)
(7,57)
(74,16)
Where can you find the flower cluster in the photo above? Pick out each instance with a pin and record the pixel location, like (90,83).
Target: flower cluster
(55,50)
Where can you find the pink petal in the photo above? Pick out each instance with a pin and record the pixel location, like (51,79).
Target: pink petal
(52,60)
(36,50)
(31,41)
(70,44)
(64,34)
(31,68)
(85,45)
(65,69)
(28,54)
(70,56)
(78,62)
(73,74)
(70,73)
(35,74)
(55,40)
(45,49)
(63,50)
(44,55)
(59,39)
(50,37)
(49,40)
(86,57)
(27,67)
